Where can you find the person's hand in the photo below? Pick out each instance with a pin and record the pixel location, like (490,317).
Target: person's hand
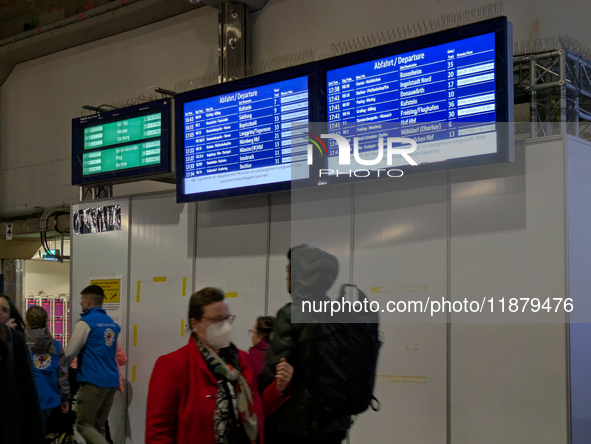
(11,323)
(65,407)
(284,373)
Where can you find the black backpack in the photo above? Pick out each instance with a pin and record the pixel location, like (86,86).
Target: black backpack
(342,375)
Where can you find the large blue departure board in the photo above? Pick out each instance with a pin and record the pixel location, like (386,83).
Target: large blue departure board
(454,82)
(450,95)
(451,92)
(246,138)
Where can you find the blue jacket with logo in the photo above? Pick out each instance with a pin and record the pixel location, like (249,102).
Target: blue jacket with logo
(96,361)
(46,367)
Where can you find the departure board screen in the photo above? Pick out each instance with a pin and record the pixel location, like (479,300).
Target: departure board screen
(129,130)
(122,143)
(449,98)
(245,138)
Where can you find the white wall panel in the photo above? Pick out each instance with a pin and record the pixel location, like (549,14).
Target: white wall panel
(322,218)
(317,217)
(579,260)
(162,248)
(508,381)
(232,255)
(401,247)
(49,277)
(280,243)
(99,255)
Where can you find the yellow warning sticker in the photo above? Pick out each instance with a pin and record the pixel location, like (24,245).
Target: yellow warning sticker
(400,289)
(405,378)
(111,287)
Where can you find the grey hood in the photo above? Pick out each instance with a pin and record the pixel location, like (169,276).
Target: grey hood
(38,340)
(313,271)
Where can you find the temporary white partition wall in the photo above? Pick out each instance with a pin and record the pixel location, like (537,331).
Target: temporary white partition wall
(232,250)
(401,254)
(280,243)
(497,231)
(319,217)
(161,264)
(102,255)
(579,282)
(509,381)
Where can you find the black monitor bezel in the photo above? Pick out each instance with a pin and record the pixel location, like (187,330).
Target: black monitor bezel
(308,70)
(131,174)
(501,27)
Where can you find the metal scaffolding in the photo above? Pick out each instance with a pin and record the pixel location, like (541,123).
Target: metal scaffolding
(557,86)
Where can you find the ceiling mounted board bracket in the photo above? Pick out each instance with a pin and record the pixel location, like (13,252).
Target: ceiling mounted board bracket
(254,5)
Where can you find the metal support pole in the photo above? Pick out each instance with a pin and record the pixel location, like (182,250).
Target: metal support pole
(97,192)
(14,278)
(533,107)
(575,116)
(232,41)
(562,92)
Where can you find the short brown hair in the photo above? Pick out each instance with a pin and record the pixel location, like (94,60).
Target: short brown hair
(202,298)
(94,293)
(37,318)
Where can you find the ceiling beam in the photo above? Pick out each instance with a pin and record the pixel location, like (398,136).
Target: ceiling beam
(98,23)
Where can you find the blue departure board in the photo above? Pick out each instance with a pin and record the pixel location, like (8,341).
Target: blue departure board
(443,97)
(246,138)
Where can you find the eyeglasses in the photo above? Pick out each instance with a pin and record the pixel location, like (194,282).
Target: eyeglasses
(229,319)
(253,332)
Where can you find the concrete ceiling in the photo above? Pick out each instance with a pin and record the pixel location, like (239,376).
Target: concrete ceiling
(104,21)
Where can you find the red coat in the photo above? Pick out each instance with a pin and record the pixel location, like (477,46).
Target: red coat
(256,356)
(181,398)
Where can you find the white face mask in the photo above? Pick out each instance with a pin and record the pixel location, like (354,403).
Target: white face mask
(218,334)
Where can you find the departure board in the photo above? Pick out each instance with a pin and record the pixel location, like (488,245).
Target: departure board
(129,130)
(443,97)
(121,143)
(246,138)
(128,156)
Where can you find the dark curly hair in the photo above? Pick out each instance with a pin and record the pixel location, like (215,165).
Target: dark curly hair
(265,325)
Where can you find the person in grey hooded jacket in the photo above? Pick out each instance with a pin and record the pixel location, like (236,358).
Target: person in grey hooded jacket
(49,363)
(301,419)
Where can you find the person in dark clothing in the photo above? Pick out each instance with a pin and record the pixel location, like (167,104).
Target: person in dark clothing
(20,412)
(261,337)
(310,274)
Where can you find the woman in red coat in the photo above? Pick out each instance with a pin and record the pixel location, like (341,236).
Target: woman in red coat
(206,392)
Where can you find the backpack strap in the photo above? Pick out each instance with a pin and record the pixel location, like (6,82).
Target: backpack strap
(375,404)
(372,318)
(361,296)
